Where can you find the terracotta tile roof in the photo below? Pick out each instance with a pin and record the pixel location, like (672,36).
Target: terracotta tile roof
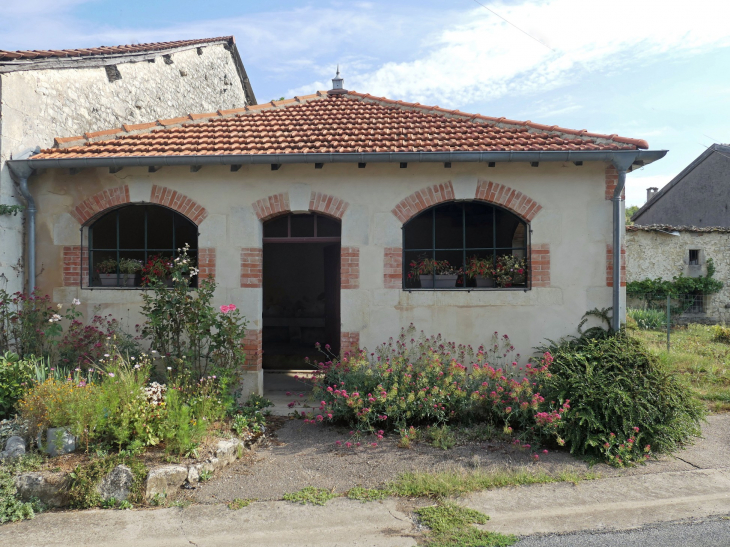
(105,50)
(321,123)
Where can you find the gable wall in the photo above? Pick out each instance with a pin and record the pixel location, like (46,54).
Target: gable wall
(701,198)
(38,105)
(570,234)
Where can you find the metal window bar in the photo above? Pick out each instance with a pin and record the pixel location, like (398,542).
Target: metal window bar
(464,249)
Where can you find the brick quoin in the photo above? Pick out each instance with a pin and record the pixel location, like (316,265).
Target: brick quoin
(106,199)
(540,265)
(252,267)
(393,268)
(253,348)
(609,265)
(206,263)
(423,199)
(349,268)
(272,206)
(75,266)
(499,194)
(329,205)
(611,182)
(178,202)
(349,342)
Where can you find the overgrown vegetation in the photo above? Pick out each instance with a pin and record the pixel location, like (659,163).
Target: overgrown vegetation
(451,525)
(653,289)
(86,478)
(311,495)
(12,509)
(240,503)
(648,318)
(366,494)
(696,357)
(624,404)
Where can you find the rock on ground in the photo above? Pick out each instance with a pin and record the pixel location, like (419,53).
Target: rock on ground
(14,448)
(117,484)
(50,488)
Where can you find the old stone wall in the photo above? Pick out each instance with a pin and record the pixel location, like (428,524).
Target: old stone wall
(653,254)
(38,105)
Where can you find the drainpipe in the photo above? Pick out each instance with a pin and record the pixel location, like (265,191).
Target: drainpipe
(621,164)
(20,174)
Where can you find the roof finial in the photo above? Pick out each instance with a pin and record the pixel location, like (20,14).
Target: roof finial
(337,88)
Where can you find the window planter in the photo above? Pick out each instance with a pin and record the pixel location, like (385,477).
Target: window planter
(442,281)
(110,280)
(484,282)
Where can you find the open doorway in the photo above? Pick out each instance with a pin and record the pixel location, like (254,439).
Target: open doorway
(301,290)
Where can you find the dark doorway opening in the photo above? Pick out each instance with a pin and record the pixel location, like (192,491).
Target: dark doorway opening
(301,290)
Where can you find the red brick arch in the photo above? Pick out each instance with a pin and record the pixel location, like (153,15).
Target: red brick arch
(178,202)
(517,202)
(278,204)
(99,202)
(423,199)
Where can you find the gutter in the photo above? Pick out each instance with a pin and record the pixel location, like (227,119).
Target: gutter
(20,173)
(627,157)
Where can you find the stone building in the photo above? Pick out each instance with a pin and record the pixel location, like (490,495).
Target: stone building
(47,95)
(681,226)
(309,213)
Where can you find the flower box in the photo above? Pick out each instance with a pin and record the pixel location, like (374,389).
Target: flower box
(110,280)
(442,281)
(484,282)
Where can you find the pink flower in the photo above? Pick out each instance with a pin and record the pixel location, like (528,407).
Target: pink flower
(348,444)
(231,307)
(111,375)
(374,444)
(288,393)
(225,309)
(535,457)
(636,429)
(338,443)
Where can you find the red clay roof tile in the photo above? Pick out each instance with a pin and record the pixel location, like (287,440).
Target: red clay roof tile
(107,50)
(354,122)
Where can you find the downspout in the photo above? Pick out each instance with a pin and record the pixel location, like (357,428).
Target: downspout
(20,174)
(621,164)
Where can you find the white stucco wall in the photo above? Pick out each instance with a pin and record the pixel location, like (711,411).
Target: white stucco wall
(654,254)
(38,105)
(575,221)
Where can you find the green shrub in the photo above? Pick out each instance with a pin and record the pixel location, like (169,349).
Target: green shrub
(620,399)
(11,508)
(648,319)
(85,479)
(720,333)
(16,377)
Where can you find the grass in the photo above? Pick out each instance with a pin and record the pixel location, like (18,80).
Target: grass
(312,495)
(366,494)
(240,503)
(703,362)
(451,525)
(453,483)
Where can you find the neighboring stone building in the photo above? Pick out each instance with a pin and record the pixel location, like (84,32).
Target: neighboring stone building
(665,252)
(681,226)
(698,196)
(56,94)
(309,211)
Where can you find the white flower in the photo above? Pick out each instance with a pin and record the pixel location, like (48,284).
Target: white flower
(136,366)
(59,306)
(106,355)
(169,368)
(76,302)
(132,358)
(153,351)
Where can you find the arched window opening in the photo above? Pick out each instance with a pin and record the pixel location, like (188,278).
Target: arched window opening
(465,245)
(123,241)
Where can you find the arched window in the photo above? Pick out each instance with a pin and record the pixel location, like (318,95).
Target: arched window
(465,245)
(122,241)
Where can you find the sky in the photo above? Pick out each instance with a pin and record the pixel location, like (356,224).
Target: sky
(656,70)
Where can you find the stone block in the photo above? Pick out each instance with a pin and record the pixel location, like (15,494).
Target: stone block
(14,448)
(50,488)
(165,479)
(116,484)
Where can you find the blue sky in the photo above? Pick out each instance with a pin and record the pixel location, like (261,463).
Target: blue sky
(658,70)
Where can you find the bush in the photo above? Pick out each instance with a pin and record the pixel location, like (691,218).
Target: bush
(411,382)
(24,320)
(623,403)
(188,332)
(16,376)
(11,508)
(648,319)
(720,333)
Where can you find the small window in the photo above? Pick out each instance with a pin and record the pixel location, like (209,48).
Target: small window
(122,241)
(304,226)
(694,257)
(465,245)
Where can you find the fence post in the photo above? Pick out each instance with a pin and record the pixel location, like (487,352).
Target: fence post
(669,318)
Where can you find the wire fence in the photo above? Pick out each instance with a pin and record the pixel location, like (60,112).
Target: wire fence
(664,312)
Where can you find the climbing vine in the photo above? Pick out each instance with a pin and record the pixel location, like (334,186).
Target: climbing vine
(10,209)
(660,288)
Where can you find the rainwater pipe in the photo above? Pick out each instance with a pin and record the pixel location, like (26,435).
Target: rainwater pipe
(20,173)
(622,164)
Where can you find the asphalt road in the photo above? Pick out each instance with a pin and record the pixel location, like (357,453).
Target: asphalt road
(713,532)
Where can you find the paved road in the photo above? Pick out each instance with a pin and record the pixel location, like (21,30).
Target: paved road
(705,533)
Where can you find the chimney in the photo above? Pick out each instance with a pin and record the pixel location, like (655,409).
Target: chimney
(650,192)
(337,88)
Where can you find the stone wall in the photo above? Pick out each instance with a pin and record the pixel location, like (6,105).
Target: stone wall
(655,254)
(38,105)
